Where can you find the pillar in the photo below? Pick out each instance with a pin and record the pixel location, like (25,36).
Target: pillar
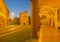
(35,19)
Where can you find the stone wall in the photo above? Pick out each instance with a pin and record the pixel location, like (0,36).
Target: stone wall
(24,18)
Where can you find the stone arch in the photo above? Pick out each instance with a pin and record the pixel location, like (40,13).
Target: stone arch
(47,8)
(48,14)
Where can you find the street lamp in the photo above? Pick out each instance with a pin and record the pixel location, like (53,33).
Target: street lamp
(12,15)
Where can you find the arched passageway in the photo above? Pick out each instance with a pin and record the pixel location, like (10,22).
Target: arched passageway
(47,15)
(39,14)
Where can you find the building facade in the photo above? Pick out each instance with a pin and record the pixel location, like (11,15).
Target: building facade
(24,18)
(4,13)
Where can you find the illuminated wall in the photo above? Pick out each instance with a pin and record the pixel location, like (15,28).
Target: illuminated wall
(24,18)
(4,13)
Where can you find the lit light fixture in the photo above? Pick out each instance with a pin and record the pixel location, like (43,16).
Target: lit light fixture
(12,14)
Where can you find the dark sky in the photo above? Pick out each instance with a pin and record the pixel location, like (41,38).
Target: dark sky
(17,6)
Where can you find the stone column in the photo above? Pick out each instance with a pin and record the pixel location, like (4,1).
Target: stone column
(35,19)
(51,22)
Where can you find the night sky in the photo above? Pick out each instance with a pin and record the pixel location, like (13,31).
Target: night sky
(17,6)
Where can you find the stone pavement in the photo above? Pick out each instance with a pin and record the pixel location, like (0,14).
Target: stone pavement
(49,34)
(32,40)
